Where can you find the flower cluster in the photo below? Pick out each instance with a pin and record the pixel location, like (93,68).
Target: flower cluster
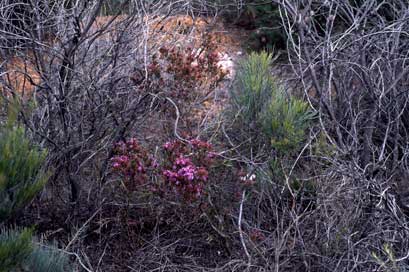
(132,162)
(180,71)
(186,177)
(187,170)
(184,169)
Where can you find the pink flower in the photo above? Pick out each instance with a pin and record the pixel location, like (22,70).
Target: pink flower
(199,189)
(140,168)
(154,163)
(168,146)
(182,161)
(123,158)
(171,176)
(119,161)
(132,144)
(187,172)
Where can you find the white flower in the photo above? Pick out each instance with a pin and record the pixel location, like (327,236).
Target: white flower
(249,177)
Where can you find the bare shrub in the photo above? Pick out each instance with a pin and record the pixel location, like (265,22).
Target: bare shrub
(82,89)
(351,57)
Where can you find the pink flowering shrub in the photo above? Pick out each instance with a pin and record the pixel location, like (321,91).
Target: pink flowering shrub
(133,163)
(187,167)
(183,170)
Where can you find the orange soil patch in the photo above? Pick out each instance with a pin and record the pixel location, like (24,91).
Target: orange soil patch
(185,29)
(106,24)
(20,77)
(102,21)
(174,30)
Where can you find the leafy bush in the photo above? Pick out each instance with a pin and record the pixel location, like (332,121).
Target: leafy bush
(265,18)
(19,253)
(20,175)
(21,179)
(260,102)
(47,259)
(113,7)
(253,87)
(286,121)
(15,248)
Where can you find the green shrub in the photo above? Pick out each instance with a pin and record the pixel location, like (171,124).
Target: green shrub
(15,248)
(260,103)
(254,86)
(113,7)
(21,178)
(47,259)
(20,175)
(286,121)
(387,262)
(19,253)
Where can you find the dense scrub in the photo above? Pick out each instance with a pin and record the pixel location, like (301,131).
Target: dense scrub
(303,167)
(21,178)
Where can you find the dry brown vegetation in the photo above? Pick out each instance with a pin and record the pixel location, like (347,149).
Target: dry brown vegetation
(20,76)
(297,167)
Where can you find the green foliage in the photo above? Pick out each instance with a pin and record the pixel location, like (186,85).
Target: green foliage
(260,102)
(47,259)
(20,175)
(18,252)
(388,263)
(15,248)
(21,179)
(286,120)
(253,86)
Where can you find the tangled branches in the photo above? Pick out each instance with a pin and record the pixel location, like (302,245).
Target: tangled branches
(351,57)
